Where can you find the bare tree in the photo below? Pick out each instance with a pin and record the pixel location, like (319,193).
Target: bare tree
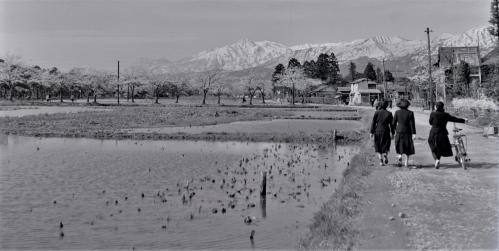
(264,86)
(180,83)
(251,86)
(157,81)
(135,77)
(220,89)
(207,80)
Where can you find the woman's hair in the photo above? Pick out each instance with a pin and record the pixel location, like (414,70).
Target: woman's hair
(403,103)
(383,105)
(440,106)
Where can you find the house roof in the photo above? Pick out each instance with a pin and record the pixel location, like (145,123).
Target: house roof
(324,88)
(492,58)
(360,80)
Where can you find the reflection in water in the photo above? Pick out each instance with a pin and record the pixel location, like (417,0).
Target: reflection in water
(159,194)
(263,207)
(4,140)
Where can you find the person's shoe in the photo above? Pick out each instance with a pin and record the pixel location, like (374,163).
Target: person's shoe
(386,160)
(437,164)
(381,163)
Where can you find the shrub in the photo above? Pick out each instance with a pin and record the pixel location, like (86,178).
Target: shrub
(468,104)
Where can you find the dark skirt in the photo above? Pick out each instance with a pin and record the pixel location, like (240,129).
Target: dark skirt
(382,141)
(404,143)
(439,143)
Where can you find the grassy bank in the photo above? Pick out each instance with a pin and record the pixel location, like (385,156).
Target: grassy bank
(332,227)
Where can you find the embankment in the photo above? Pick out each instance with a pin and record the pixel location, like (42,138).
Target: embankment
(123,122)
(333,226)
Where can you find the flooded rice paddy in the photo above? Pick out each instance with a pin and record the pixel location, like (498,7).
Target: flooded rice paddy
(88,194)
(291,126)
(20,111)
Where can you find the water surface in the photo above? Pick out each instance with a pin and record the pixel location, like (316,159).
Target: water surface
(267,126)
(95,188)
(37,110)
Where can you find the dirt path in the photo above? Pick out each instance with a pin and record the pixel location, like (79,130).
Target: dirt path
(450,208)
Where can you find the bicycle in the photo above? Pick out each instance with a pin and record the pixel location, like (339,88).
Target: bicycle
(460,147)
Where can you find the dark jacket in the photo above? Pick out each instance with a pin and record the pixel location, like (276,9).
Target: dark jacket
(439,119)
(403,122)
(382,121)
(438,140)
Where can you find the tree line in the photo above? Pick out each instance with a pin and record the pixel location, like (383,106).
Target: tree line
(21,81)
(326,69)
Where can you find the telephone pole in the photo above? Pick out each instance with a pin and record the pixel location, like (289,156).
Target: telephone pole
(430,82)
(384,80)
(118,82)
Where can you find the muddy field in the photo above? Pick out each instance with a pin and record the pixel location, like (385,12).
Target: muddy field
(154,122)
(149,190)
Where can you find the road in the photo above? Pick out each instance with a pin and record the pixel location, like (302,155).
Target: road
(449,208)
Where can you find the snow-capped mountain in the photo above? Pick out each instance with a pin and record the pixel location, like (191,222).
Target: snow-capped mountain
(469,38)
(246,54)
(238,56)
(376,47)
(390,48)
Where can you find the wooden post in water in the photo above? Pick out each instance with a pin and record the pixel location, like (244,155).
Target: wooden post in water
(263,186)
(334,135)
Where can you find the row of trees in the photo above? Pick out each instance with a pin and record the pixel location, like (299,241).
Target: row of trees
(298,80)
(18,80)
(369,73)
(324,68)
(21,81)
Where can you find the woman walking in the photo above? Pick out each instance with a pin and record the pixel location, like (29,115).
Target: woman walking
(438,138)
(405,129)
(382,132)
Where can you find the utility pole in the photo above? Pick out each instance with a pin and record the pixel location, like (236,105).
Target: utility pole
(430,82)
(384,79)
(118,82)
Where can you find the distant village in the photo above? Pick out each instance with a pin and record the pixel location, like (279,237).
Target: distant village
(458,72)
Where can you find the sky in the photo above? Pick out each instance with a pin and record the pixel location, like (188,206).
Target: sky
(97,33)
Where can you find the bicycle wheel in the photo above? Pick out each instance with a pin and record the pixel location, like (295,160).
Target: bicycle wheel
(462,161)
(457,157)
(462,153)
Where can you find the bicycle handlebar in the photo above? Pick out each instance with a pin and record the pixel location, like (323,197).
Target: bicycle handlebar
(456,129)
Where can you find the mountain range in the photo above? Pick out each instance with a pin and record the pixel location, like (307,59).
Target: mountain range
(401,55)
